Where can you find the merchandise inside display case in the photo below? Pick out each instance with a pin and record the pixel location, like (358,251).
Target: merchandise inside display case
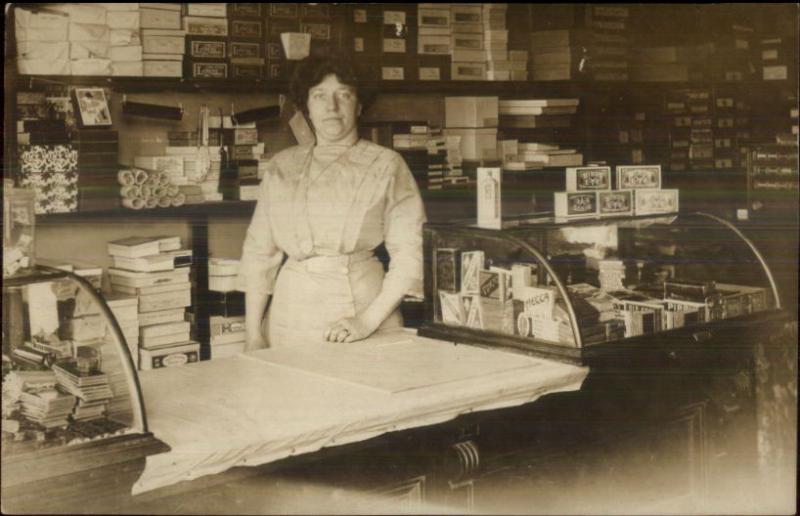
(569,290)
(67,372)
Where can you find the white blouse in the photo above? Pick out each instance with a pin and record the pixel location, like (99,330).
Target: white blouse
(363,198)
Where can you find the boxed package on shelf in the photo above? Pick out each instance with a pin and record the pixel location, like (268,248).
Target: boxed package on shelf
(471,112)
(588,178)
(651,202)
(573,205)
(40,26)
(638,177)
(169,356)
(222,274)
(476,144)
(227,336)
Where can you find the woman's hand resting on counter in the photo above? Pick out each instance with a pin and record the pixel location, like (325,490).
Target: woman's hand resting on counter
(349,329)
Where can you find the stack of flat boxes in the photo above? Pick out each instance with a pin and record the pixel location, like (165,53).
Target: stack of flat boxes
(208,44)
(692,129)
(156,270)
(42,42)
(163,40)
(410,140)
(579,41)
(434,42)
(398,42)
(98,158)
(125,308)
(126,52)
(732,131)
(469,58)
(474,120)
(227,332)
(89,39)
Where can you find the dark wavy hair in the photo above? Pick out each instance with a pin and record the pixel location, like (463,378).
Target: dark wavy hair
(311,71)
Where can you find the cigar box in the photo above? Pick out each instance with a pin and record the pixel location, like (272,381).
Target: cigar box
(206,47)
(468,71)
(225,325)
(315,11)
(448,267)
(169,356)
(638,177)
(152,44)
(652,202)
(125,53)
(204,26)
(278,26)
(165,300)
(434,45)
(246,29)
(241,50)
(216,9)
(207,69)
(433,18)
(318,31)
(581,179)
(466,41)
(161,316)
(159,19)
(573,205)
(158,330)
(615,202)
(163,68)
(245,10)
(284,10)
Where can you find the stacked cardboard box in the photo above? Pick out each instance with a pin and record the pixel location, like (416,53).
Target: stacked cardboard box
(163,39)
(669,63)
(579,41)
(125,308)
(227,333)
(474,120)
(731,53)
(146,267)
(469,58)
(398,42)
(126,51)
(434,42)
(777,58)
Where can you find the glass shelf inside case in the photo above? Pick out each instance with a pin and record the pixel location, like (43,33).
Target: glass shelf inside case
(569,290)
(67,375)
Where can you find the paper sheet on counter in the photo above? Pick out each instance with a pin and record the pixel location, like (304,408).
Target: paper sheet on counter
(250,409)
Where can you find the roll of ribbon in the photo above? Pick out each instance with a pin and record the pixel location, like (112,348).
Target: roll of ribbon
(164,202)
(125,177)
(178,200)
(151,202)
(134,204)
(146,192)
(140,176)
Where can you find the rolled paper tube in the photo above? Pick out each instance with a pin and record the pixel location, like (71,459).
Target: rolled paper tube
(178,200)
(134,192)
(164,202)
(163,179)
(173,190)
(125,177)
(147,191)
(140,176)
(151,202)
(160,191)
(125,191)
(134,204)
(152,180)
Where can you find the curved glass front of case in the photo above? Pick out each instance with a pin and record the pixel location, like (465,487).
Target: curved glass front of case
(576,284)
(67,372)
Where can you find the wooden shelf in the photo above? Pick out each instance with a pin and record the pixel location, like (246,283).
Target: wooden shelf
(500,88)
(221,208)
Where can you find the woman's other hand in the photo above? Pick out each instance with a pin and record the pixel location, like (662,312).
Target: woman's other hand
(349,329)
(255,340)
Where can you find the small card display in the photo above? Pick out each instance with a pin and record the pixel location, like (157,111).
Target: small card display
(472,262)
(240,49)
(630,177)
(448,266)
(615,202)
(581,179)
(575,204)
(650,202)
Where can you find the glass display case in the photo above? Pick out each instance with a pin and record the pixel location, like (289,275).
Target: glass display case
(68,377)
(573,290)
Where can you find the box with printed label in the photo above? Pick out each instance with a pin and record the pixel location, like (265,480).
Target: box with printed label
(652,202)
(588,178)
(468,71)
(615,202)
(476,144)
(573,205)
(169,356)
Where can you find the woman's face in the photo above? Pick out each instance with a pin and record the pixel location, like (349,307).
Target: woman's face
(333,108)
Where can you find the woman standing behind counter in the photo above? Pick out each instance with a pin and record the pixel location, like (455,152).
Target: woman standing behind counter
(327,206)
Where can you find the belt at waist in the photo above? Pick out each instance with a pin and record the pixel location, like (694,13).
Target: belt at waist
(339,263)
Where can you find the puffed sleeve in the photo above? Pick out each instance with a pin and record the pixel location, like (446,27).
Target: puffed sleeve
(261,258)
(403,219)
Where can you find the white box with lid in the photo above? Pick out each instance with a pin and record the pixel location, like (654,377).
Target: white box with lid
(471,112)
